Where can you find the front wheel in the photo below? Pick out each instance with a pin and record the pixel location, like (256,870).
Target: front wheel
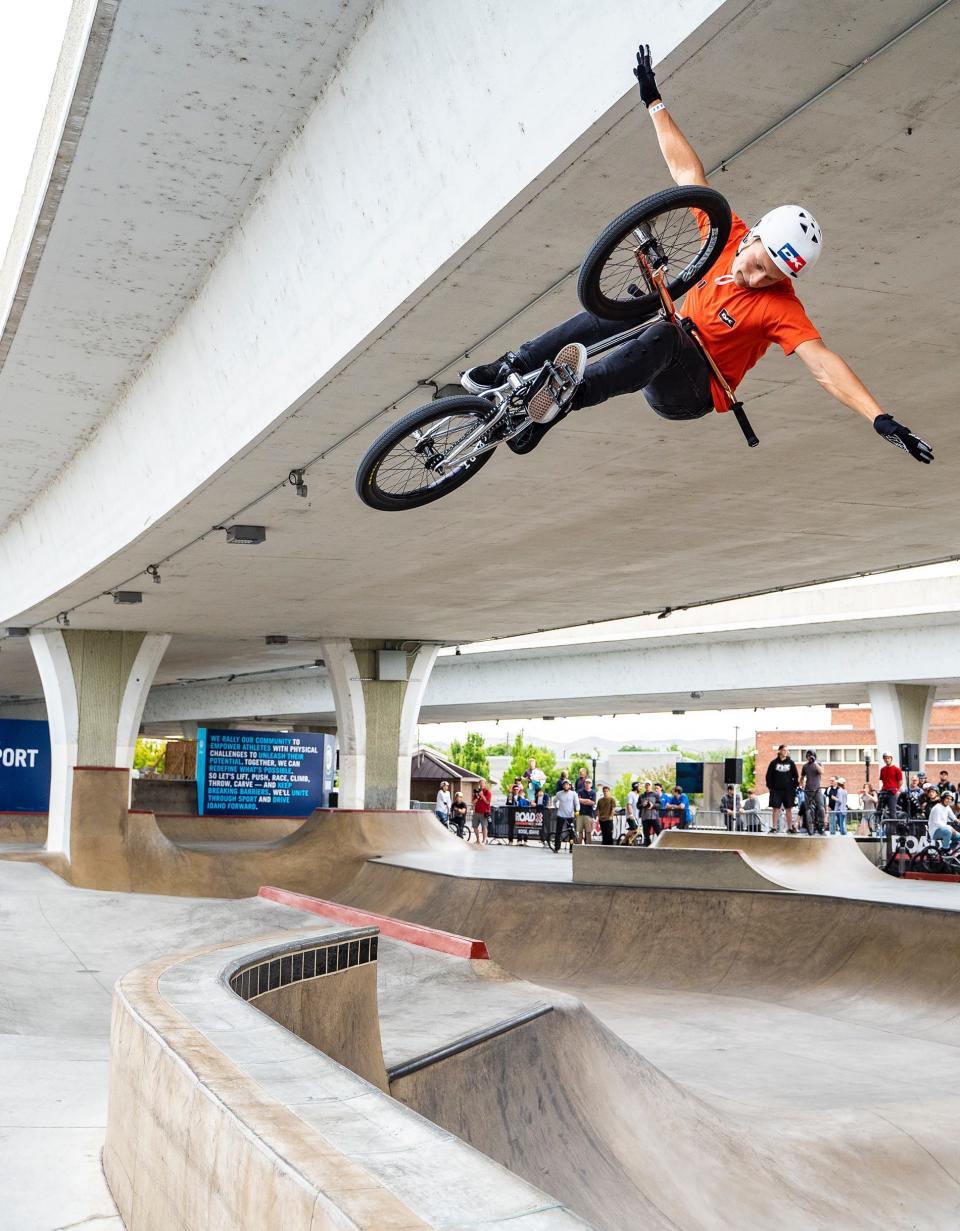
(407,465)
(688,227)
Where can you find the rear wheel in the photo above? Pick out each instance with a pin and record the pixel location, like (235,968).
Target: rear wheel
(689,227)
(930,859)
(405,467)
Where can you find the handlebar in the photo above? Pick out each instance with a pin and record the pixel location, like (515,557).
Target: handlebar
(749,434)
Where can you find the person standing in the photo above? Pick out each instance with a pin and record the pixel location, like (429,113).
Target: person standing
(482,803)
(588,811)
(891,781)
(751,811)
(830,795)
(811,780)
(533,777)
(838,814)
(868,806)
(444,800)
(458,813)
(649,802)
(606,806)
(730,808)
(782,781)
(633,812)
(944,784)
(566,803)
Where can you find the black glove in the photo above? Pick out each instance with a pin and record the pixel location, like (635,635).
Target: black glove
(903,438)
(644,75)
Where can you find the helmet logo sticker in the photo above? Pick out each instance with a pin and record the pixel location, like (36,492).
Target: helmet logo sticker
(791,257)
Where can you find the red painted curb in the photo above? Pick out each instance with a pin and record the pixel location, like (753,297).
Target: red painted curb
(932,876)
(396,929)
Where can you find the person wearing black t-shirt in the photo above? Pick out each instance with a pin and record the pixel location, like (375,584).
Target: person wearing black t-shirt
(458,813)
(588,809)
(782,781)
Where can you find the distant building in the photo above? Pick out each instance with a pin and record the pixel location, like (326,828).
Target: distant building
(428,769)
(851,737)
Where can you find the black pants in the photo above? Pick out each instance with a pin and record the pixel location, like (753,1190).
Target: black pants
(887,804)
(606,833)
(662,361)
(650,828)
(563,822)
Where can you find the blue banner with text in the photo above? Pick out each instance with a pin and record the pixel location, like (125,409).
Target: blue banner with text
(24,766)
(263,773)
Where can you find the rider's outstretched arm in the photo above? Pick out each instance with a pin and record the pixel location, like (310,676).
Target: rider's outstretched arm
(836,376)
(681,158)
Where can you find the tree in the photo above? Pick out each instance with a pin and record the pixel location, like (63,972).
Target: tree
(580,760)
(666,775)
(520,754)
(150,754)
(635,748)
(621,788)
(472,754)
(750,769)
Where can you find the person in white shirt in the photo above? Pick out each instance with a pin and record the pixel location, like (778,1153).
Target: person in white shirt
(444,800)
(633,819)
(943,826)
(567,803)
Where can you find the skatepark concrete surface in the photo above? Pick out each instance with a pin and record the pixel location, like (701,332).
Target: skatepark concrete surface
(711,1058)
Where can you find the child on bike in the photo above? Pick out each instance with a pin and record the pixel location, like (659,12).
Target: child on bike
(745,303)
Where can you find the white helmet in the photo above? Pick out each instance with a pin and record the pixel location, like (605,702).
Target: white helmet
(792,237)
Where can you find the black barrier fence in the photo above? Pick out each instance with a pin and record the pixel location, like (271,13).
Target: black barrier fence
(510,824)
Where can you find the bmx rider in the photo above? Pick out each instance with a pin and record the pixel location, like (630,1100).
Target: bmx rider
(745,303)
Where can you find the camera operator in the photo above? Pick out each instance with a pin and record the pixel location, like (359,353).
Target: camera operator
(811,779)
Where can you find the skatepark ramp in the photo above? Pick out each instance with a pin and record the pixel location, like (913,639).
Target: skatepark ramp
(760,863)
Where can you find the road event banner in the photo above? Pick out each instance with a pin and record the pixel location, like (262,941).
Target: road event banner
(263,773)
(24,766)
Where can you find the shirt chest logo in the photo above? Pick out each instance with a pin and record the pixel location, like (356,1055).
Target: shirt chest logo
(726,317)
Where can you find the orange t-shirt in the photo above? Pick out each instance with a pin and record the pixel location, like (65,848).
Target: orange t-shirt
(738,325)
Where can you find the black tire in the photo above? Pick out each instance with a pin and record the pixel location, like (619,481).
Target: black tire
(930,859)
(606,273)
(387,489)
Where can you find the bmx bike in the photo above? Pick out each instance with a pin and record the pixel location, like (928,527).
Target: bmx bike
(648,257)
(932,858)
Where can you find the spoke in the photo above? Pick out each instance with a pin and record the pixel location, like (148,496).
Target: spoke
(402,470)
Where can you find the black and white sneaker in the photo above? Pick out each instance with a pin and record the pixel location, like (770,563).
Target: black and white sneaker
(490,375)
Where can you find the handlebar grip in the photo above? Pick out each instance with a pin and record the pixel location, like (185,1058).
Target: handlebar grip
(749,434)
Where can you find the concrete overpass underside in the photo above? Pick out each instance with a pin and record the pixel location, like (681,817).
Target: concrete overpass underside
(389,238)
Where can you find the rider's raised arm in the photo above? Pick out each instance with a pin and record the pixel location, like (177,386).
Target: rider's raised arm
(681,158)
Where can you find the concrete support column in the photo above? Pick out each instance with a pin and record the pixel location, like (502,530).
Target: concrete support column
(376,720)
(95,684)
(901,715)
